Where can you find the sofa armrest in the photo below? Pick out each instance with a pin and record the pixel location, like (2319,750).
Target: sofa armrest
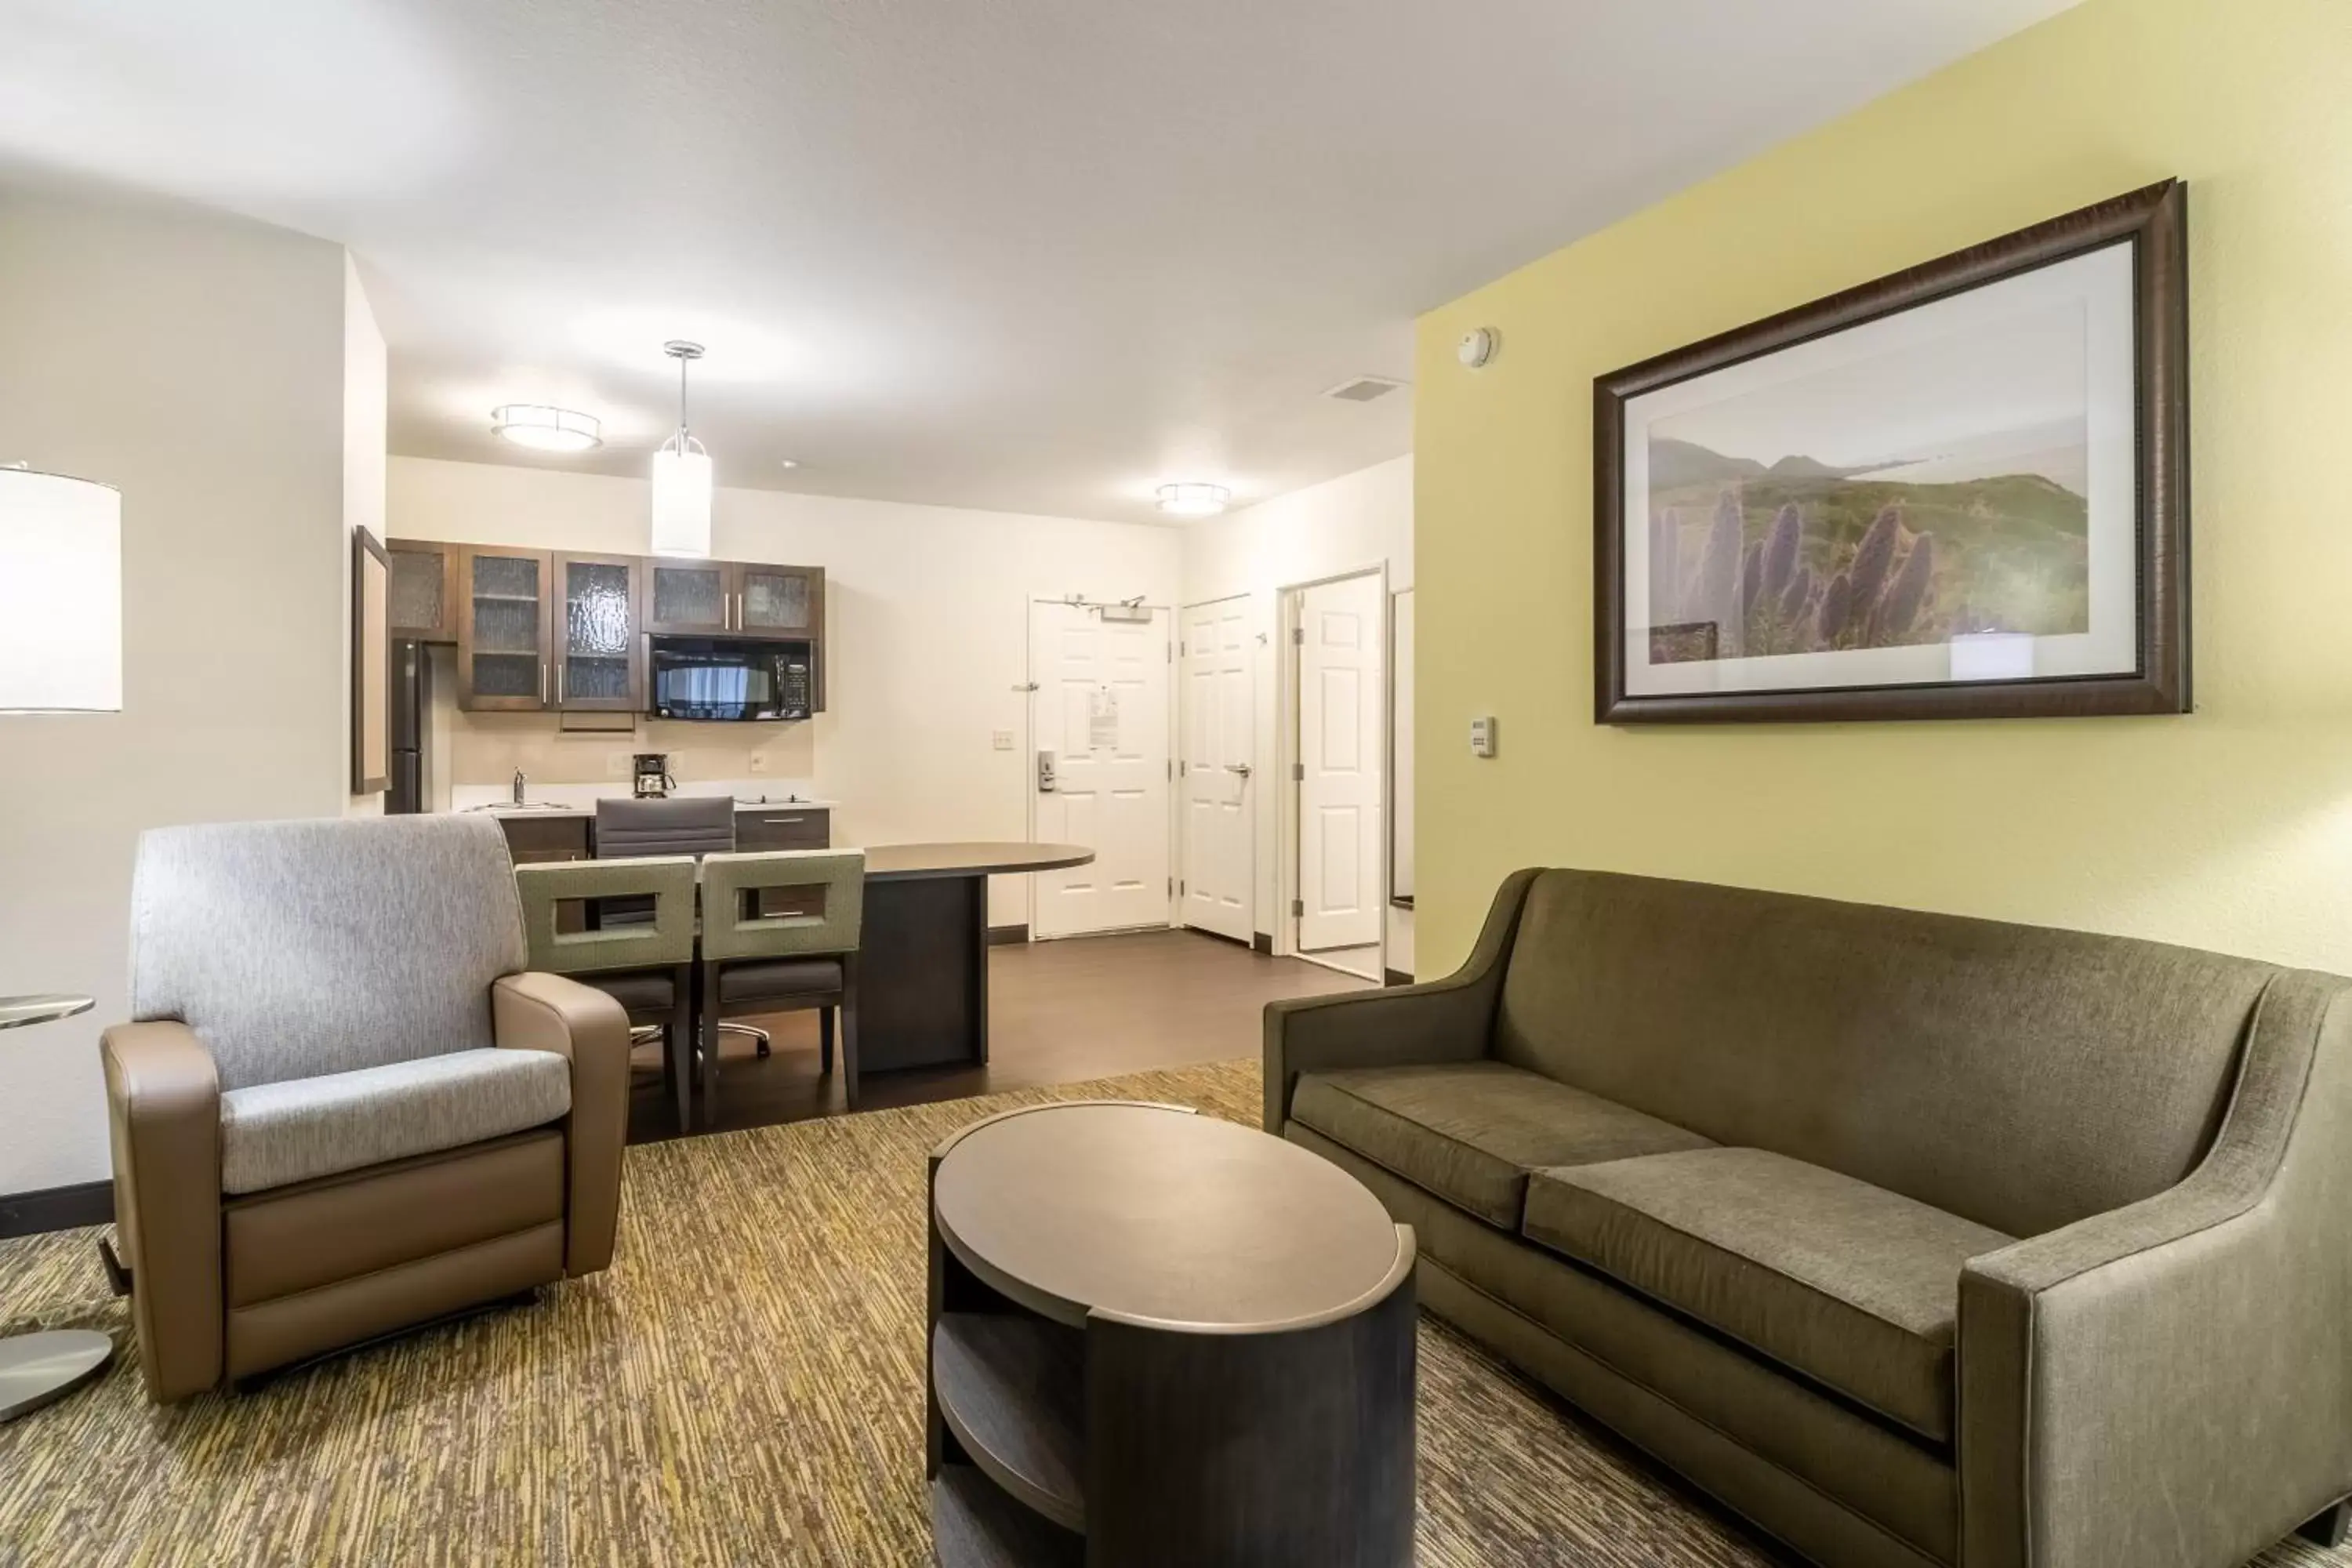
(2172,1381)
(162,1108)
(1445,1020)
(535,1012)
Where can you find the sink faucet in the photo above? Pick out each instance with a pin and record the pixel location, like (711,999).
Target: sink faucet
(520,785)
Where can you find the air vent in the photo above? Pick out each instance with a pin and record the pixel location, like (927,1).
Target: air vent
(1364,389)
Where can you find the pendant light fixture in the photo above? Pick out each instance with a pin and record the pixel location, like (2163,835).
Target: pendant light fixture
(681,477)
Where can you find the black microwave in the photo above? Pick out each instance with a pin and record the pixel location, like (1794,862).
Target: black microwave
(727,678)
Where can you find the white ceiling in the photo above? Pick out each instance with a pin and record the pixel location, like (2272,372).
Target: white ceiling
(1032,254)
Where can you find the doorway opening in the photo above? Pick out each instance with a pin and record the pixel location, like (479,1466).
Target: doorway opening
(1335,815)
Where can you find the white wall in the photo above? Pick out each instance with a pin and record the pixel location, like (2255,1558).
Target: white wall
(366,393)
(926,631)
(196,362)
(1351,523)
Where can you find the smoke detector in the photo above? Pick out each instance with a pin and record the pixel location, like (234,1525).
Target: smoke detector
(1479,347)
(1363,389)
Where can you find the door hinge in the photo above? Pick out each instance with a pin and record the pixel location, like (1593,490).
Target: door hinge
(1182,886)
(1298,908)
(1171,887)
(1183,769)
(1299,635)
(1298,772)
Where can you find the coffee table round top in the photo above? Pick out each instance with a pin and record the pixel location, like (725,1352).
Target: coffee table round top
(1152,1214)
(15,1012)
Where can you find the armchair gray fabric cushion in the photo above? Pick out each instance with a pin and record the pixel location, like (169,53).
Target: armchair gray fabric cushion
(1471,1131)
(1855,1286)
(295,949)
(275,1134)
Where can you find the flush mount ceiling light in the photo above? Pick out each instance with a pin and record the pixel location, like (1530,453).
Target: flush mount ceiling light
(681,477)
(1193,500)
(544,429)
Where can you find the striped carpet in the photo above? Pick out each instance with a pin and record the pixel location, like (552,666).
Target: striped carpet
(744,1386)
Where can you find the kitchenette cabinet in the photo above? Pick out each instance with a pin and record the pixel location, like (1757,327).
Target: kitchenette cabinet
(545,631)
(422,599)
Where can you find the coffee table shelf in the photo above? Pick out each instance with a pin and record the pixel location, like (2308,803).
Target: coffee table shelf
(975,1525)
(1160,1340)
(1012,1389)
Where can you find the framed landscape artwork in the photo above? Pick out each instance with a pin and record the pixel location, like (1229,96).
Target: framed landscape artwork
(1958,492)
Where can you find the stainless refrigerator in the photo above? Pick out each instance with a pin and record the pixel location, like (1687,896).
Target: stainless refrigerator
(412,728)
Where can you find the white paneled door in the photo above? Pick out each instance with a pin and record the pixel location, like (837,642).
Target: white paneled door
(1101,713)
(1341,742)
(1215,655)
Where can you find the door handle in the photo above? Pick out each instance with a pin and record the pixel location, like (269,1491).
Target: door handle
(1241,768)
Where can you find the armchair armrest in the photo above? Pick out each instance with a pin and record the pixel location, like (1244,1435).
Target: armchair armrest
(533,1012)
(163,1106)
(2172,1382)
(1441,1021)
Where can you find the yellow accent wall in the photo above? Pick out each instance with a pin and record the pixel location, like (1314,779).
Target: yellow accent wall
(2230,828)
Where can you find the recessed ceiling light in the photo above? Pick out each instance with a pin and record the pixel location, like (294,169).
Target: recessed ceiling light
(788,462)
(1193,500)
(544,429)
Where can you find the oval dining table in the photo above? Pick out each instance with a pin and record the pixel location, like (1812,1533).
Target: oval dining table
(922,960)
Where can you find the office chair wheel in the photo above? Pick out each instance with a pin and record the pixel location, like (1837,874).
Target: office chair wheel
(760,1040)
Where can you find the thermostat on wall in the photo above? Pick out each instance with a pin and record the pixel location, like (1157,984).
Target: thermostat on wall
(1482,737)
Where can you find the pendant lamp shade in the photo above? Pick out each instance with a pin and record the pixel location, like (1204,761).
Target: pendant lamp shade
(60,594)
(681,476)
(681,498)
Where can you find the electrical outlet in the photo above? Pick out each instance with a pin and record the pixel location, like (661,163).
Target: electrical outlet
(1001,739)
(617,764)
(759,763)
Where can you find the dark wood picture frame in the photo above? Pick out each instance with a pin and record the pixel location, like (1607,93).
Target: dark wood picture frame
(371,663)
(2155,219)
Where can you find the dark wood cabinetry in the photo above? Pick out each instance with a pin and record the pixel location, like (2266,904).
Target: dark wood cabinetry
(541,630)
(423,590)
(600,659)
(502,630)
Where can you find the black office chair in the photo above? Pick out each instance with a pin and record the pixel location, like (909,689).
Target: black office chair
(688,825)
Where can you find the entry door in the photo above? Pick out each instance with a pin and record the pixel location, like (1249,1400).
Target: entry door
(1101,709)
(1213,779)
(1340,700)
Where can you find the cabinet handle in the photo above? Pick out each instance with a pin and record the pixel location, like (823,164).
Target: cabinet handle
(559,685)
(542,683)
(783,821)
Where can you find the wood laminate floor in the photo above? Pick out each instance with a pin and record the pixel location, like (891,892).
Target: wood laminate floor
(1060,1011)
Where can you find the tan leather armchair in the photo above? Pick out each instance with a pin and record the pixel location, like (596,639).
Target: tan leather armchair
(341,1111)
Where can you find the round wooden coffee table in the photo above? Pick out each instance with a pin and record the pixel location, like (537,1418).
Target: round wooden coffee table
(1159,1338)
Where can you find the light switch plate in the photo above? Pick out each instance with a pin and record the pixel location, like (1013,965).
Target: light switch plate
(1001,739)
(758,762)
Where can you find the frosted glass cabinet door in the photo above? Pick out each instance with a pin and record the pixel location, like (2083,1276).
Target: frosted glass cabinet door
(424,590)
(502,631)
(599,659)
(689,598)
(782,601)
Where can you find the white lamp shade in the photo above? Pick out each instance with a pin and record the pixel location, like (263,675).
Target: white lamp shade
(60,594)
(682,499)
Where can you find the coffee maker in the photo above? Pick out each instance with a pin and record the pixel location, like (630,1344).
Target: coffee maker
(652,779)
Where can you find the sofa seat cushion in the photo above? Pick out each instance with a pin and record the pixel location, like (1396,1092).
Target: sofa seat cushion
(1471,1131)
(1851,1285)
(274,1134)
(778,979)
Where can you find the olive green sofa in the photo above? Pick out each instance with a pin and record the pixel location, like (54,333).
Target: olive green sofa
(1913,1240)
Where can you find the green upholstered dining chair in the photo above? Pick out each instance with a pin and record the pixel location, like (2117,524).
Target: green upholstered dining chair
(782,954)
(647,966)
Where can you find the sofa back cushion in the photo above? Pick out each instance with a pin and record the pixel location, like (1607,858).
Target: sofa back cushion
(2018,1077)
(297,949)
